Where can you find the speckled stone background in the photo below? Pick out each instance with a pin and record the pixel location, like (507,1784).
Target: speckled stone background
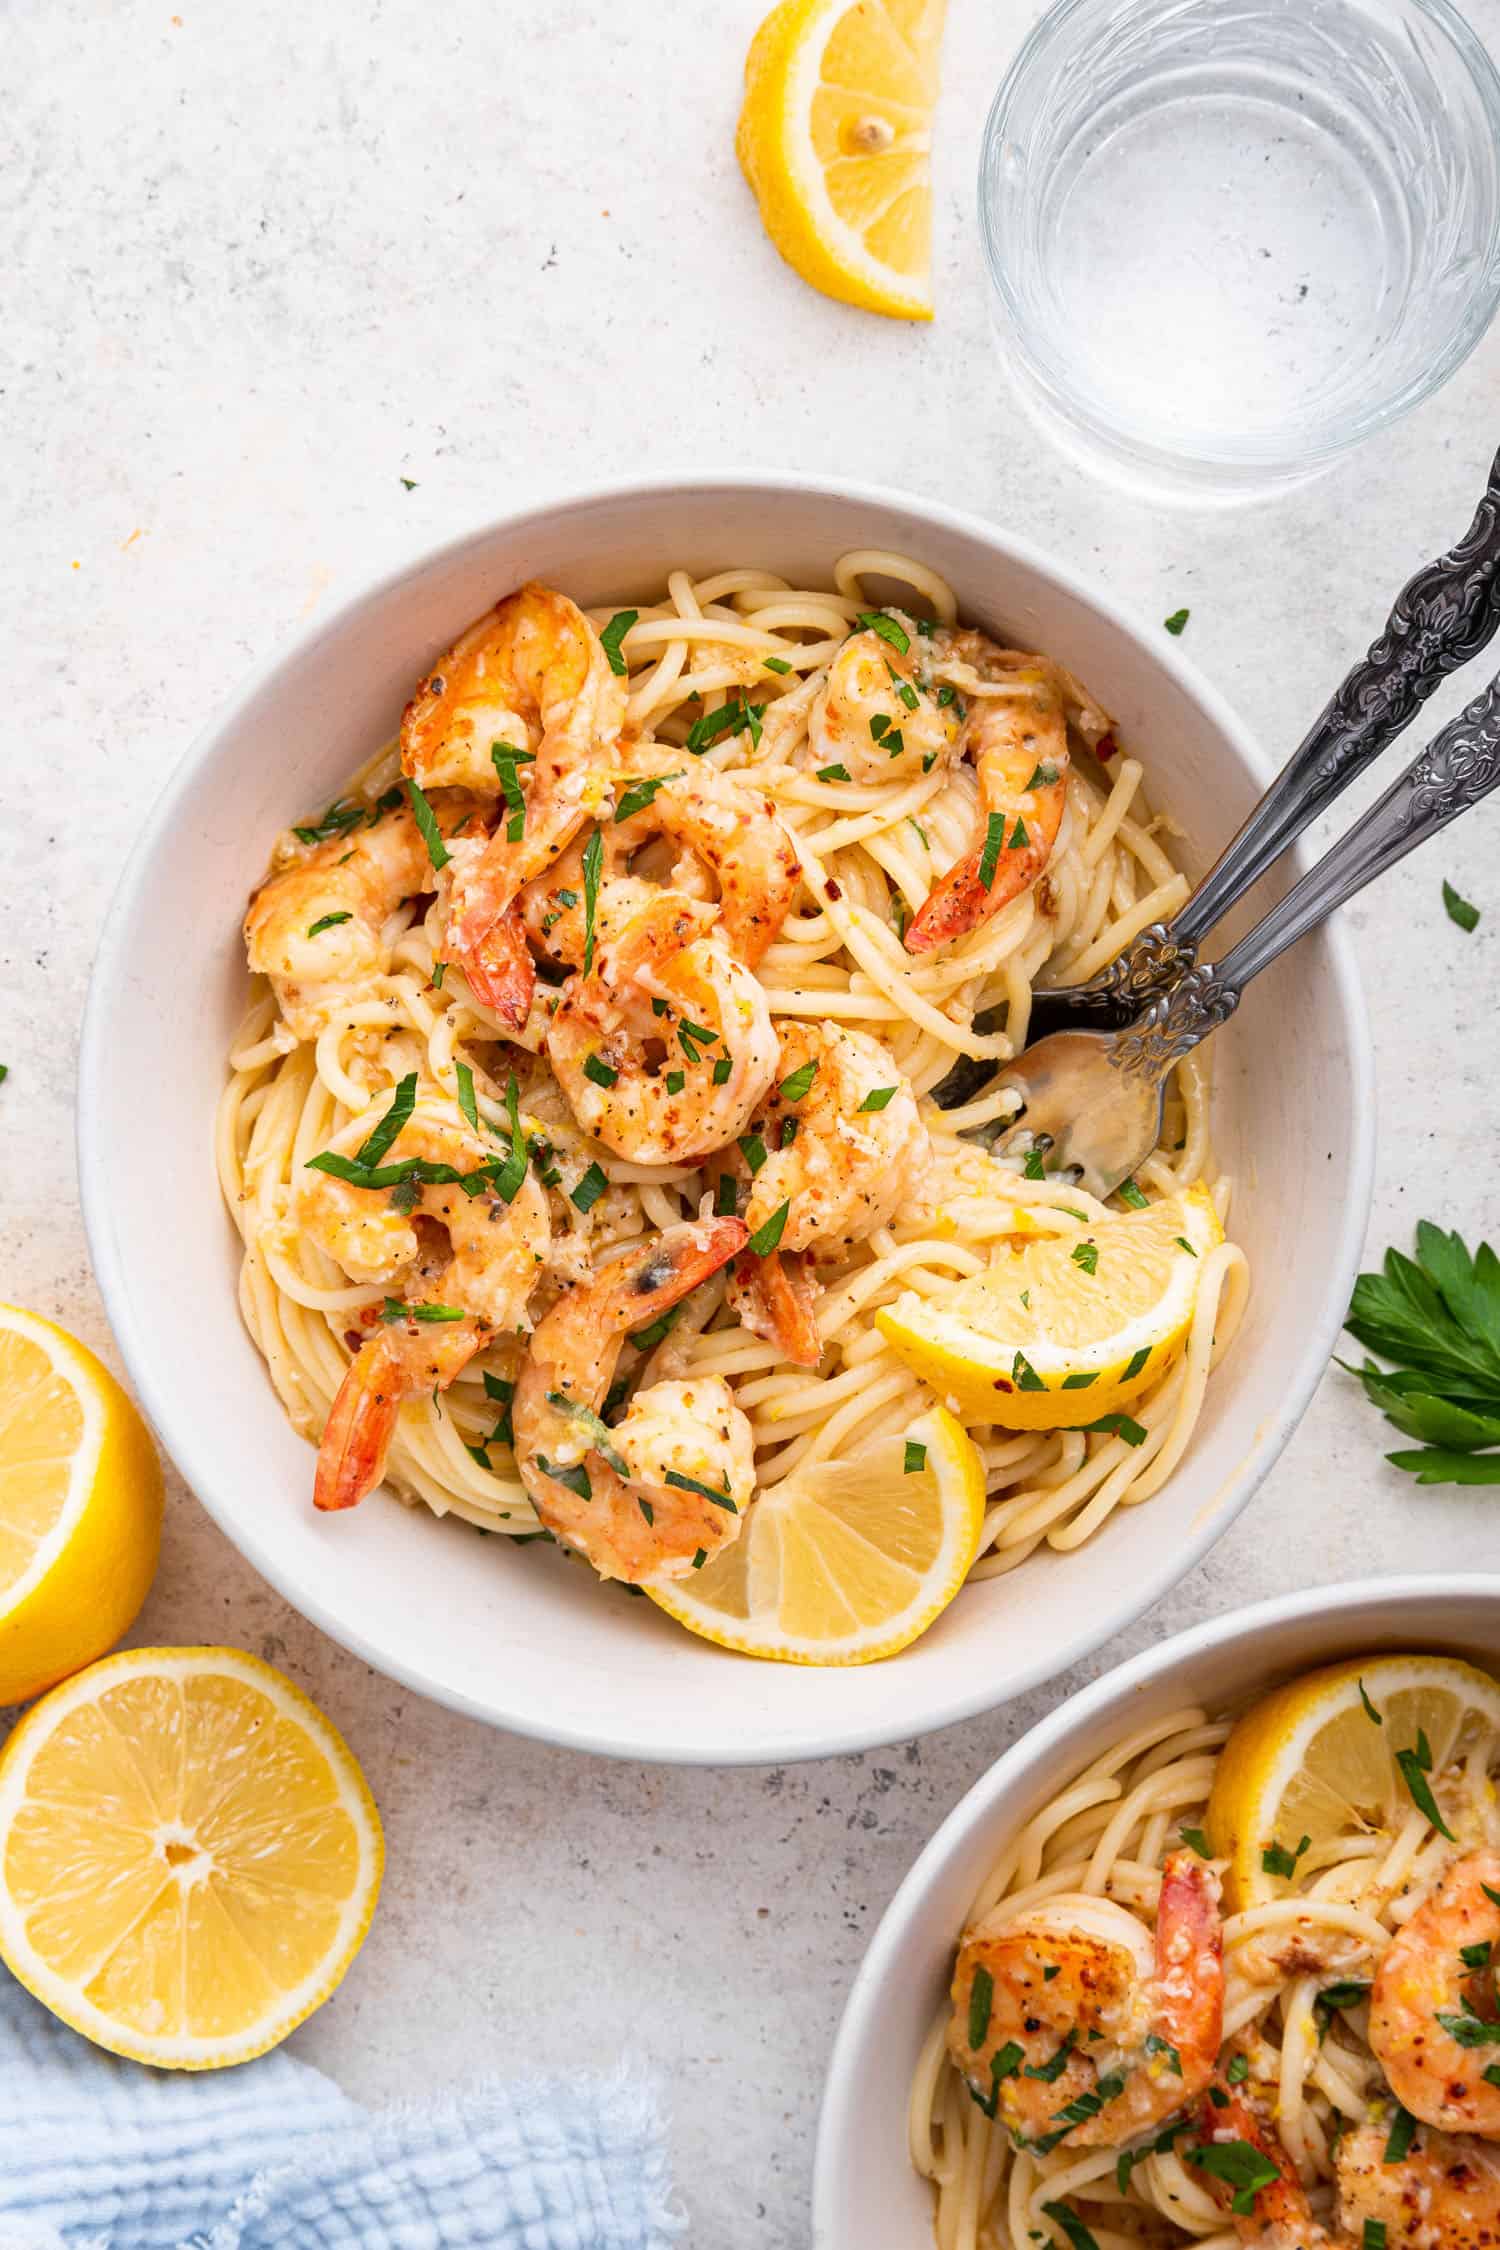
(262,263)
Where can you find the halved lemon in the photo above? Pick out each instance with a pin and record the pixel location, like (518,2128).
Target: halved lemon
(1317,1765)
(189,1857)
(80,1506)
(1062,1330)
(834,138)
(846,1561)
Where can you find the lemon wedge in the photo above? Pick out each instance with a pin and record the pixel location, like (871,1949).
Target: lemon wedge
(80,1506)
(1316,1767)
(189,1857)
(1062,1330)
(834,138)
(848,1560)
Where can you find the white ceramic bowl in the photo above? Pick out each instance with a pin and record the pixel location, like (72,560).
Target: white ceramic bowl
(518,1636)
(864,2188)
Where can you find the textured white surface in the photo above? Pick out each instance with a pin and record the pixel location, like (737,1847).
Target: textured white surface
(265,261)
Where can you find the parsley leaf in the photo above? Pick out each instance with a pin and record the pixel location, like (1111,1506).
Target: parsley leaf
(1459,909)
(426,820)
(611,637)
(1438,1317)
(1177,620)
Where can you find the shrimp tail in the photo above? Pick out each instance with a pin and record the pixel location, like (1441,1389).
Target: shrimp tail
(782,1296)
(680,1258)
(360,1426)
(1281,2204)
(498,967)
(956,903)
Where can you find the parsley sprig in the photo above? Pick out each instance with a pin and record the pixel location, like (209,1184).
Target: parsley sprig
(1438,1317)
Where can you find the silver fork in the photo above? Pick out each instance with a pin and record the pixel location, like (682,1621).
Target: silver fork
(1094,1079)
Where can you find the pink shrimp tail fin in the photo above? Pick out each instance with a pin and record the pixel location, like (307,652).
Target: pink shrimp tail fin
(783,1295)
(1280,2203)
(681,1258)
(361,1423)
(498,966)
(955,904)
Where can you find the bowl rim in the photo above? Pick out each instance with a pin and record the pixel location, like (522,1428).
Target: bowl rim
(1146,447)
(194,1458)
(893,1933)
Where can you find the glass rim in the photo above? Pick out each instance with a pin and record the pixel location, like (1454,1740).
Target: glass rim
(1287,452)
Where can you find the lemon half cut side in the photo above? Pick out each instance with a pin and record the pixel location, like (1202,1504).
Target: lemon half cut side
(189,1856)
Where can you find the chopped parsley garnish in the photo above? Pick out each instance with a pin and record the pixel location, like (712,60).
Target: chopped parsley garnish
(1120,1426)
(1177,620)
(1079,2236)
(642,793)
(693,1036)
(611,637)
(1135,1363)
(439,971)
(1019,837)
(646,1509)
(1370,1711)
(1459,910)
(753,1150)
(893,742)
(426,820)
(466,1101)
(913,1459)
(994,838)
(1156,2045)
(1086,1254)
(1025,1375)
(596,1431)
(1469,2030)
(410,483)
(394,1309)
(734,715)
(765,1239)
(1042,776)
(788,1131)
(1334,1998)
(1476,1956)
(675,1081)
(1129,1193)
(1402,2133)
(879,1097)
(795,1087)
(646,1339)
(700,1558)
(776,664)
(880,725)
(833,773)
(726,1197)
(1238,2070)
(589,1189)
(570,898)
(1082,1382)
(1240,2165)
(599,1071)
(328,922)
(1415,1766)
(1373,2237)
(340,817)
(1196,1841)
(1491,2076)
(723,1070)
(1050,2072)
(576,1477)
(1033,1168)
(403,1102)
(593,860)
(876,621)
(1277,1860)
(681,1483)
(1183,1243)
(505,757)
(981,2000)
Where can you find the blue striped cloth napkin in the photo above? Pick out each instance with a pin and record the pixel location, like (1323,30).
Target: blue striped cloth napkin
(100,2154)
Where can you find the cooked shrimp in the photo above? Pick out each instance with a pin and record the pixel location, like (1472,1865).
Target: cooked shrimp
(1432,2005)
(666,1045)
(878,715)
(465,1293)
(840,1143)
(1019,746)
(732,828)
(1074,2002)
(670,1483)
(531,679)
(314,927)
(1443,2194)
(1280,2215)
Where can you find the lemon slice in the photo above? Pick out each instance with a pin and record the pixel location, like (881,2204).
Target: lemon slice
(846,1561)
(1062,1330)
(834,138)
(189,1857)
(1310,1761)
(80,1506)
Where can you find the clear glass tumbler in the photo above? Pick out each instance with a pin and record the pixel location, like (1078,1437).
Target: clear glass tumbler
(1230,238)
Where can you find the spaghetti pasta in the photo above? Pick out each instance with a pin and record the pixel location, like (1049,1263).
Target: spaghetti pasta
(728,670)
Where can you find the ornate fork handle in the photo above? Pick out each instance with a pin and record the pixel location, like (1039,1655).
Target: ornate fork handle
(1459,767)
(1444,615)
